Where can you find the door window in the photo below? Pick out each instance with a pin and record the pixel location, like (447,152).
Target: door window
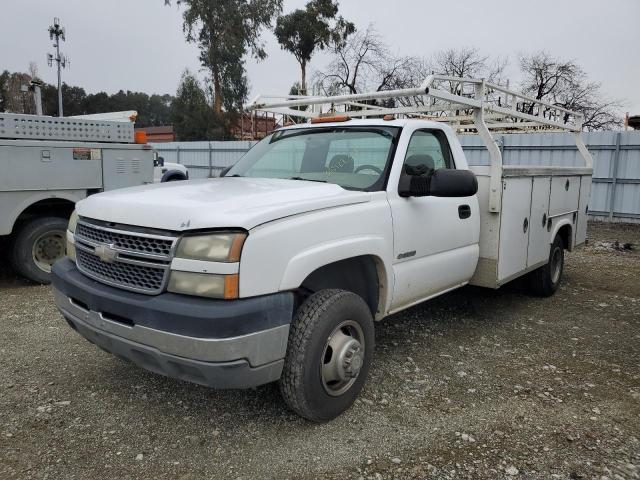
(428,151)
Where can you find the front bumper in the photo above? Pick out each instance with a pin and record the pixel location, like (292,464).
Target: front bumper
(217,343)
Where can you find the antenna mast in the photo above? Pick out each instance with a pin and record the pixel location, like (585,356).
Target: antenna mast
(57,32)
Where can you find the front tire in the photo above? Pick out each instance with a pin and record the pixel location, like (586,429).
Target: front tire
(37,246)
(545,280)
(329,354)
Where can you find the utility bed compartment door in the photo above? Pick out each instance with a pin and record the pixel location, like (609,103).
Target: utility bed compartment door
(539,243)
(48,168)
(585,191)
(565,192)
(514,226)
(126,167)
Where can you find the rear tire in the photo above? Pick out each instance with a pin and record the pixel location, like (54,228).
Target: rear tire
(37,246)
(329,353)
(545,280)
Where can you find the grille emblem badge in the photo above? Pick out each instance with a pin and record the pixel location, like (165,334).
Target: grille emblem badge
(106,253)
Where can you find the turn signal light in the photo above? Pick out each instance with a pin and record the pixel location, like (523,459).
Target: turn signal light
(140,137)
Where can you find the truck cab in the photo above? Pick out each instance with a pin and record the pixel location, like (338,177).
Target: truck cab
(278,270)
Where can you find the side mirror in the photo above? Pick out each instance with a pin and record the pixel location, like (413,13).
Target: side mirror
(158,162)
(441,183)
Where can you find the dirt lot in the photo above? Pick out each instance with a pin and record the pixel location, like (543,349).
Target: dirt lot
(476,384)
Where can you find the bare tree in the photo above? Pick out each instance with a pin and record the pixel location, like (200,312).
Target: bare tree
(33,71)
(467,62)
(365,63)
(565,84)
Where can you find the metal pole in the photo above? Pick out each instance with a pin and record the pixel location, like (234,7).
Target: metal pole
(210,161)
(614,176)
(60,113)
(57,32)
(37,96)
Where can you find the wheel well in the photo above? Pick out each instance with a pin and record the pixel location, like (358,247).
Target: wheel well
(174,175)
(358,275)
(49,207)
(565,235)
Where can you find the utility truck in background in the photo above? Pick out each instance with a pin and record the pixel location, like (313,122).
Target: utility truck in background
(47,164)
(279,270)
(162,171)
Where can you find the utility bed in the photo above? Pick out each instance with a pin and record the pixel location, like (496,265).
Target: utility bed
(516,240)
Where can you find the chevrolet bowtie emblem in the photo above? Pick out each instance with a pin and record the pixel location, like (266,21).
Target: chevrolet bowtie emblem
(106,253)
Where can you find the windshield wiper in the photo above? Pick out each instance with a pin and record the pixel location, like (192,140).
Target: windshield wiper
(307,179)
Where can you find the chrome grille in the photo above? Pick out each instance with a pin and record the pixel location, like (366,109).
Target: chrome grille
(136,261)
(127,275)
(125,241)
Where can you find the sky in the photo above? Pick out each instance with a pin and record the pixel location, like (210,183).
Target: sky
(139,44)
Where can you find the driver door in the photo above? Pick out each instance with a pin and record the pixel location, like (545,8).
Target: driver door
(435,238)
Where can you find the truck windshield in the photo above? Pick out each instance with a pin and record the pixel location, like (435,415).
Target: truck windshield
(353,157)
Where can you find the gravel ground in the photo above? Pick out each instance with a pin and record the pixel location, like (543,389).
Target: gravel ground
(476,384)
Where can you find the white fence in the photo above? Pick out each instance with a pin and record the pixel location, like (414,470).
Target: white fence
(615,195)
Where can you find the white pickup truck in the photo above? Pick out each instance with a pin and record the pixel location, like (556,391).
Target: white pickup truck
(277,271)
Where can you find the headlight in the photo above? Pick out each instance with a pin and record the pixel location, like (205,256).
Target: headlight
(204,284)
(73,221)
(219,247)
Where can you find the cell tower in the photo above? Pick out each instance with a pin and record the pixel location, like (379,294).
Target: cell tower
(57,32)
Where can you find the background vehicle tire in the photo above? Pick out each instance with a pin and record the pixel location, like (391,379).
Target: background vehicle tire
(545,280)
(329,353)
(37,246)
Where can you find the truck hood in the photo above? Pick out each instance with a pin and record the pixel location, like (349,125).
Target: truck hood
(231,202)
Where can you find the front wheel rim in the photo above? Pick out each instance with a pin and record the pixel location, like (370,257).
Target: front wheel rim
(343,358)
(48,249)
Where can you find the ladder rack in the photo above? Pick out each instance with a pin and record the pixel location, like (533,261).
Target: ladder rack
(467,104)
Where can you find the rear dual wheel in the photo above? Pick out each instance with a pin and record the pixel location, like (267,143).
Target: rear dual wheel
(329,353)
(545,280)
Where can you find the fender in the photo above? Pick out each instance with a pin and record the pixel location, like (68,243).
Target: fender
(561,222)
(180,175)
(307,261)
(72,195)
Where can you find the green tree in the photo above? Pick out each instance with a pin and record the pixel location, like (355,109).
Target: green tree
(73,100)
(225,31)
(153,110)
(301,32)
(192,117)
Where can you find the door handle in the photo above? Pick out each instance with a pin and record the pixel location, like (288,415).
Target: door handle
(464,211)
